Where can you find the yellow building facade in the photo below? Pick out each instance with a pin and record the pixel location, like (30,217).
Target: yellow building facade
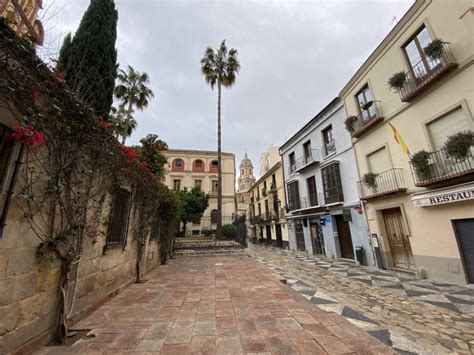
(21,15)
(418,196)
(197,168)
(267,213)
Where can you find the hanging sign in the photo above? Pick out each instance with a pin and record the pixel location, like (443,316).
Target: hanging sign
(457,194)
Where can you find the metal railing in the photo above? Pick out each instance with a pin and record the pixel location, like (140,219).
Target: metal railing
(264,192)
(367,118)
(329,148)
(310,201)
(426,71)
(441,167)
(307,159)
(386,182)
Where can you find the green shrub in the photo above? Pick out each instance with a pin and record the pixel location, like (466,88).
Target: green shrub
(397,81)
(458,146)
(229,231)
(435,49)
(350,124)
(207,232)
(421,163)
(370,179)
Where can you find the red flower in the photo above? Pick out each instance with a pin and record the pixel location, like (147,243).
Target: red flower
(27,135)
(144,165)
(34,94)
(59,76)
(103,123)
(131,154)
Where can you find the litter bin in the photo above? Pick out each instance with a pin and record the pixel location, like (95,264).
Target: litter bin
(360,255)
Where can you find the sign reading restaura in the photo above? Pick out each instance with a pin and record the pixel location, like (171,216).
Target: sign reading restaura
(458,194)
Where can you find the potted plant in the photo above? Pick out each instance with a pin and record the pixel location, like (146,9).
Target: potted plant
(350,124)
(435,49)
(397,81)
(458,146)
(421,163)
(370,180)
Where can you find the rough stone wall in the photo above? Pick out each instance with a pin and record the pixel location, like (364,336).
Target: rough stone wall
(29,287)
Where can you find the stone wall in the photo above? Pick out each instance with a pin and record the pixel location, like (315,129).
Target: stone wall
(29,287)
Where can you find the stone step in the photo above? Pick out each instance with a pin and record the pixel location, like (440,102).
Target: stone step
(210,252)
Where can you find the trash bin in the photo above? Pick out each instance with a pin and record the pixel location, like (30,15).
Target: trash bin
(360,255)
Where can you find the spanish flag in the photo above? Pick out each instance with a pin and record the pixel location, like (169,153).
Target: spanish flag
(399,140)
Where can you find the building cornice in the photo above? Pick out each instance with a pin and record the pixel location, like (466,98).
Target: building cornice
(195,152)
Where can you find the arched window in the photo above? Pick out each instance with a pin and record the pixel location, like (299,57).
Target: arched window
(198,166)
(213,166)
(214,216)
(177,165)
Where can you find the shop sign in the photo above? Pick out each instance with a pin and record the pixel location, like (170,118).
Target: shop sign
(459,194)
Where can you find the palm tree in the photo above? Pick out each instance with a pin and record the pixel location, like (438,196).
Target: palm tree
(132,92)
(220,68)
(122,124)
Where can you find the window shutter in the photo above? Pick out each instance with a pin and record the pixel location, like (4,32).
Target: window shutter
(446,126)
(379,161)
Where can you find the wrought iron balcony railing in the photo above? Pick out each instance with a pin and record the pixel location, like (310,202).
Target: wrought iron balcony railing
(310,201)
(329,149)
(308,159)
(367,119)
(385,183)
(440,167)
(256,220)
(426,72)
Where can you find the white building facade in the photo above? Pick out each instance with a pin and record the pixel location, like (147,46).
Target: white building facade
(324,212)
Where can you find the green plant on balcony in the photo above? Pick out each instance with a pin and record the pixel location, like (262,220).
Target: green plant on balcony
(458,146)
(350,124)
(435,50)
(421,163)
(397,81)
(370,180)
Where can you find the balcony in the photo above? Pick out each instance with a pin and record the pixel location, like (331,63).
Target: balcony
(387,182)
(256,220)
(370,117)
(305,161)
(264,192)
(426,72)
(273,187)
(329,149)
(441,168)
(301,203)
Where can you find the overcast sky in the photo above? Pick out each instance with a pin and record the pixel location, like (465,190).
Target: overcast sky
(295,57)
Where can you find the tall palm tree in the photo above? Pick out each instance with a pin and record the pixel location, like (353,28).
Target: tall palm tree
(122,123)
(133,92)
(220,68)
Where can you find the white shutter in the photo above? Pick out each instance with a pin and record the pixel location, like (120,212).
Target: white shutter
(442,128)
(379,161)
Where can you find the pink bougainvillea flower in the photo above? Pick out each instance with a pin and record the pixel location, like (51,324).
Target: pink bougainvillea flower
(34,94)
(27,135)
(59,76)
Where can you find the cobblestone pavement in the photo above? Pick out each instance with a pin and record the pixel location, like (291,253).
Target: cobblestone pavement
(410,316)
(216,305)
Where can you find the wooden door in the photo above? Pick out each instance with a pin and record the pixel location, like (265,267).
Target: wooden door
(398,239)
(345,238)
(299,237)
(317,239)
(278,235)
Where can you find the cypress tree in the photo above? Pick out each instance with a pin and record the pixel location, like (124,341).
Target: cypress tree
(89,59)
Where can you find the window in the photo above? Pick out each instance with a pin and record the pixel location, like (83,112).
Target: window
(307,150)
(364,98)
(274,182)
(312,193)
(119,218)
(176,185)
(329,146)
(177,165)
(293,196)
(440,129)
(379,161)
(266,209)
(214,216)
(214,166)
(215,185)
(332,183)
(291,159)
(414,52)
(7,149)
(198,184)
(259,209)
(198,166)
(264,189)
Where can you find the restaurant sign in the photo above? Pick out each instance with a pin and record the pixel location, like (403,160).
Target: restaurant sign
(458,194)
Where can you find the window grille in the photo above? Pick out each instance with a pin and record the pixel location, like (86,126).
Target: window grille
(119,218)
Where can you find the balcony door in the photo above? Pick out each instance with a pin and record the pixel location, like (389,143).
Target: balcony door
(421,65)
(317,239)
(307,152)
(293,196)
(345,238)
(400,247)
(312,193)
(364,96)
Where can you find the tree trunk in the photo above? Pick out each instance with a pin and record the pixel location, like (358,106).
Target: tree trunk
(219,163)
(63,298)
(184,228)
(138,261)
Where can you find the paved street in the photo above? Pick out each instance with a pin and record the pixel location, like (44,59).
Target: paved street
(216,305)
(406,314)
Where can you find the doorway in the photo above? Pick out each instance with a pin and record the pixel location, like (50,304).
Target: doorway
(398,239)
(464,230)
(299,237)
(279,235)
(345,238)
(269,235)
(317,239)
